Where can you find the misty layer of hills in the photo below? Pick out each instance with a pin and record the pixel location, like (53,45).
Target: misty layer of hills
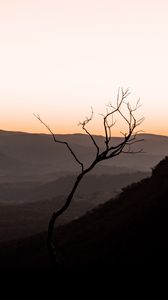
(130,229)
(36,175)
(31,217)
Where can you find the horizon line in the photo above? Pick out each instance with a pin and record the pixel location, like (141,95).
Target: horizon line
(75,133)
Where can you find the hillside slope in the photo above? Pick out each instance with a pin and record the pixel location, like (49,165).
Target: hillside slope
(129,230)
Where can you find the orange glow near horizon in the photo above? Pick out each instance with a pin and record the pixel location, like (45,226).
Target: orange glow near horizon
(58,58)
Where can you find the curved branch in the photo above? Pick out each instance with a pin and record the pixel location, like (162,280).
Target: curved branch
(60,142)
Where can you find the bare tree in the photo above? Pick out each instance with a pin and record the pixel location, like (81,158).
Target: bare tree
(110,150)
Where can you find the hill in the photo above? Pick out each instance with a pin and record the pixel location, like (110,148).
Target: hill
(26,192)
(35,157)
(25,208)
(131,229)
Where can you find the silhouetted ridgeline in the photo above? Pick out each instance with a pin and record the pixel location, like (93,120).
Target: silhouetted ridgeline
(35,157)
(130,229)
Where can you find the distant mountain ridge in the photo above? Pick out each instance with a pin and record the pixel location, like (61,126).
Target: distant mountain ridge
(34,155)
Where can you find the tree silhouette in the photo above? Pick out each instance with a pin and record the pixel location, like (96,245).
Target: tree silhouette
(109,151)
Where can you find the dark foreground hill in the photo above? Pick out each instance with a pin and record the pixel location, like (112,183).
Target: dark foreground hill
(129,230)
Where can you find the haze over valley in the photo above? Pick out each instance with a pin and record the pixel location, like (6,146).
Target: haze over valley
(36,175)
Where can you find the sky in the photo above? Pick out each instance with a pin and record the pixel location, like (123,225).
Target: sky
(59,58)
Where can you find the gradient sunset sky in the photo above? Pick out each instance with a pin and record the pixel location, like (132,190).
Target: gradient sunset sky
(58,58)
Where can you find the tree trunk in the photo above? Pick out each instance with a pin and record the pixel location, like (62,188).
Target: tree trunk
(50,243)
